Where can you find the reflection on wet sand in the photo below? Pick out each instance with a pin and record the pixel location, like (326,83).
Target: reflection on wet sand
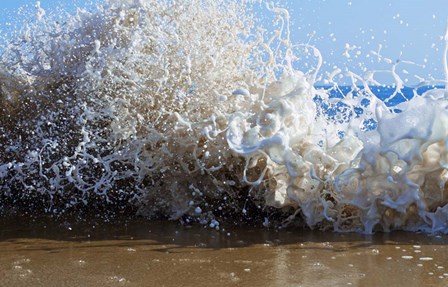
(141,253)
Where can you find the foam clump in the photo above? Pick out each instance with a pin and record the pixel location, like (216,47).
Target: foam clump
(190,110)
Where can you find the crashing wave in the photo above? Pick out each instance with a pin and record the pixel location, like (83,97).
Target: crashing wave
(192,110)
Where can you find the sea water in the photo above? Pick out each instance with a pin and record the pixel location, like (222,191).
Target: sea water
(192,110)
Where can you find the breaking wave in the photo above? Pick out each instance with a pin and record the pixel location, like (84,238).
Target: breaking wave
(191,110)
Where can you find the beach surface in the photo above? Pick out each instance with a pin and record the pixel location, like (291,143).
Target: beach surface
(154,253)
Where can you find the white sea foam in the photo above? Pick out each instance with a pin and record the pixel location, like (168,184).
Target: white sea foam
(190,109)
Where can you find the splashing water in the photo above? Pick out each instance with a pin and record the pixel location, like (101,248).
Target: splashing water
(191,110)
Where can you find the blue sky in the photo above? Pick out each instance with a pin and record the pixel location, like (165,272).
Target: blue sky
(406,29)
(11,5)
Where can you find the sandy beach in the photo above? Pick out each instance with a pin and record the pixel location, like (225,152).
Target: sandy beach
(144,253)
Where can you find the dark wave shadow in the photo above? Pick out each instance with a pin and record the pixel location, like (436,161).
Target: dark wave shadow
(168,236)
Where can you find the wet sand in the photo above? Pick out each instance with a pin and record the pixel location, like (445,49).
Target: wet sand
(142,253)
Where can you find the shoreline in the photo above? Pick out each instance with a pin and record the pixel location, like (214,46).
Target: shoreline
(161,253)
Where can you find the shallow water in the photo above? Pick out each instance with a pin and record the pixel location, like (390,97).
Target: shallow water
(141,253)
